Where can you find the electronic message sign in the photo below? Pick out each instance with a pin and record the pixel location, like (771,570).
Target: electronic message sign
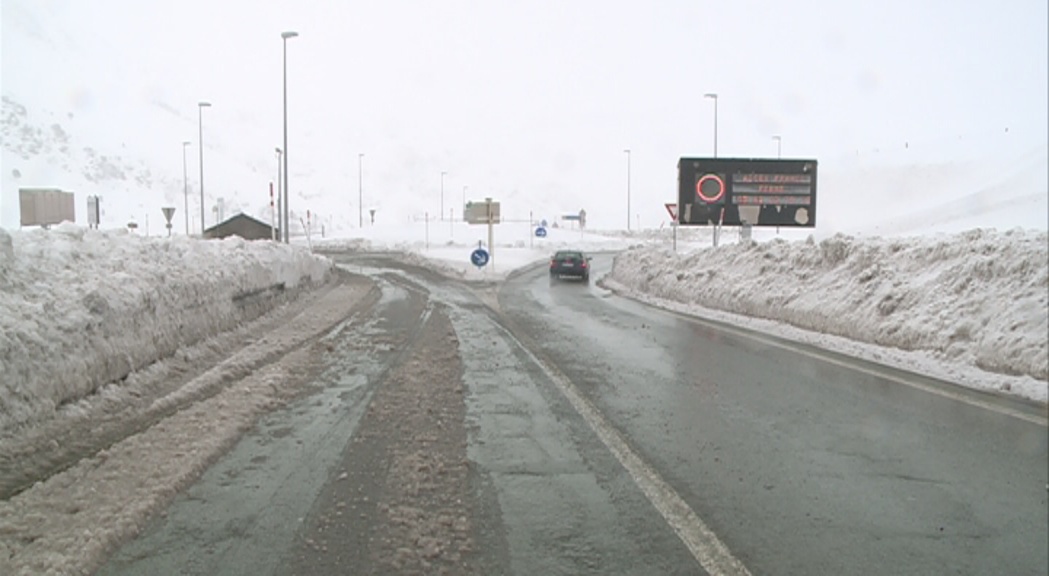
(755,191)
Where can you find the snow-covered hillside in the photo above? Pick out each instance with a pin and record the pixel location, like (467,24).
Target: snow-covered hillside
(90,108)
(1009,189)
(81,308)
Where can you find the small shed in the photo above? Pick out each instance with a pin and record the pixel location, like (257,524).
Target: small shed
(241,225)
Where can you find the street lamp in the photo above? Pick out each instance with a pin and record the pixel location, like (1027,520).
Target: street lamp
(627,189)
(360,189)
(287,219)
(280,199)
(442,195)
(715,98)
(200,122)
(779,146)
(185,184)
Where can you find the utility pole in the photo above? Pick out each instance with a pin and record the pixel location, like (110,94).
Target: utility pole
(360,190)
(185,184)
(627,189)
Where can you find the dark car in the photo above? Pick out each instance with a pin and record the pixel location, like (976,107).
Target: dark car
(569,264)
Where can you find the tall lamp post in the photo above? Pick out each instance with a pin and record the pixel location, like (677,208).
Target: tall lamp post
(280,199)
(360,190)
(287,219)
(715,98)
(627,189)
(779,146)
(200,122)
(442,195)
(185,184)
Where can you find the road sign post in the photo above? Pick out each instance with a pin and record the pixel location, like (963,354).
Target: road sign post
(273,216)
(485,213)
(491,233)
(672,210)
(479,257)
(93,203)
(168,213)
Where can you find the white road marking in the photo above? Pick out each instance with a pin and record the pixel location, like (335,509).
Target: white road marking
(963,394)
(959,395)
(711,553)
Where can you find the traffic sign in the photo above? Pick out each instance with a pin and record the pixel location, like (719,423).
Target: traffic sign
(482,212)
(710,188)
(543,223)
(756,191)
(672,210)
(479,257)
(540,232)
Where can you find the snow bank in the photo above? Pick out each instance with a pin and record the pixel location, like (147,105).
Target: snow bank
(80,308)
(979,298)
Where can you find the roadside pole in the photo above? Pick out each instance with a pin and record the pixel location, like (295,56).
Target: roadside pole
(273,216)
(491,244)
(530,232)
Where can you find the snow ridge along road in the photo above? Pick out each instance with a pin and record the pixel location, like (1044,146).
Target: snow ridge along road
(68,522)
(81,309)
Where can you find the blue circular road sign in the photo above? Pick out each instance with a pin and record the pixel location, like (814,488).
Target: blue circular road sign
(479,257)
(543,223)
(540,232)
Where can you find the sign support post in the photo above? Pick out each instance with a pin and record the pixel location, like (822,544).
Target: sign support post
(491,245)
(273,224)
(168,213)
(672,210)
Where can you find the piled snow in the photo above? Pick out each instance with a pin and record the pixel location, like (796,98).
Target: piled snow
(80,308)
(978,298)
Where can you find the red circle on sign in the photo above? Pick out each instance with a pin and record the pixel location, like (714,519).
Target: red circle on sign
(710,199)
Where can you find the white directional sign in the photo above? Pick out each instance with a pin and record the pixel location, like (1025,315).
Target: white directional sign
(482,212)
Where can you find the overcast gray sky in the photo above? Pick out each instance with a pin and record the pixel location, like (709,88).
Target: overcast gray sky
(541,96)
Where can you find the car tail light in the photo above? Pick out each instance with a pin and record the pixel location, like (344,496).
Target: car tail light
(583,263)
(553,263)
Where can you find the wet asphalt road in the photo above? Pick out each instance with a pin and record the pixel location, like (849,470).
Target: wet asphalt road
(695,446)
(799,464)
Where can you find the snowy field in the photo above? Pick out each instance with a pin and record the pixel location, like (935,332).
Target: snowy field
(82,308)
(446,246)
